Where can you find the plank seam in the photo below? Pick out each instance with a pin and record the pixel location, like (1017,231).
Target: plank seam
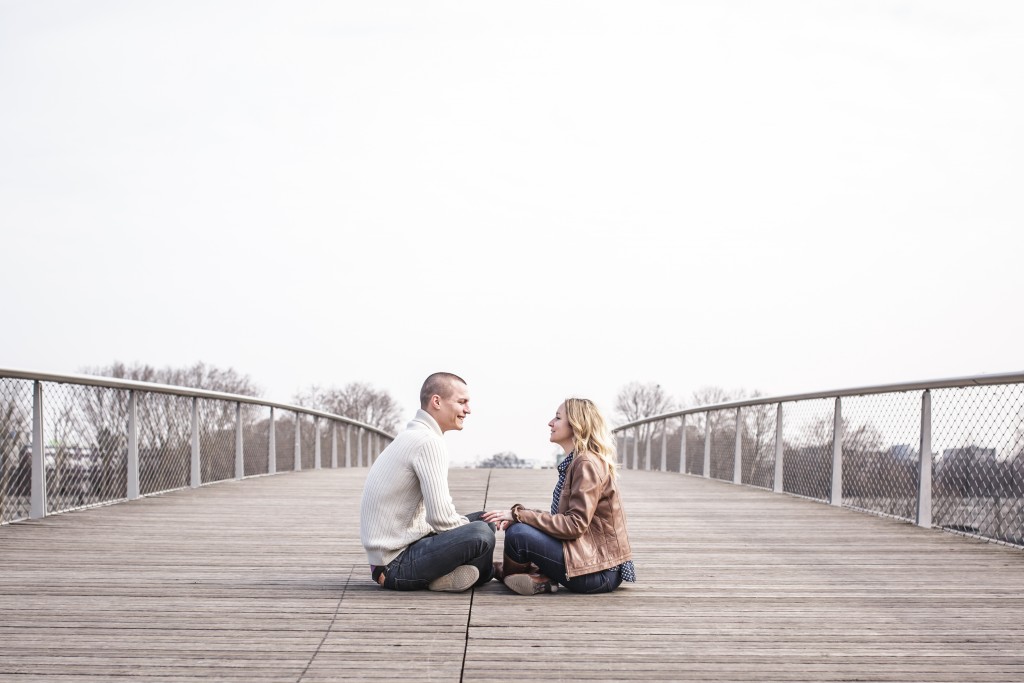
(330,627)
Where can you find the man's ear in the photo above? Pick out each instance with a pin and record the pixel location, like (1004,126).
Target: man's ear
(435,401)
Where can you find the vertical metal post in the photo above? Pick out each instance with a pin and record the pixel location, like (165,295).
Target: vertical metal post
(348,445)
(779,449)
(737,466)
(837,455)
(316,446)
(239,451)
(664,446)
(297,466)
(924,476)
(334,445)
(359,446)
(133,445)
(37,507)
(197,463)
(636,448)
(707,445)
(647,447)
(682,447)
(272,445)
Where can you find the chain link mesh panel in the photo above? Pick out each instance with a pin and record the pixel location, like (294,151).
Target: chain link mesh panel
(15,449)
(881,439)
(85,431)
(696,427)
(308,435)
(807,456)
(255,439)
(165,442)
(325,442)
(216,439)
(284,434)
(978,455)
(757,427)
(722,427)
(673,437)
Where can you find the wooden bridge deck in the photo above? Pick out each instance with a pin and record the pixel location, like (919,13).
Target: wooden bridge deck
(265,580)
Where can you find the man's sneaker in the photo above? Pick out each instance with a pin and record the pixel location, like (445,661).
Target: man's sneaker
(457,580)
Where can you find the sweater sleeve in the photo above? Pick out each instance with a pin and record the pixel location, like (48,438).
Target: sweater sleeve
(584,493)
(431,467)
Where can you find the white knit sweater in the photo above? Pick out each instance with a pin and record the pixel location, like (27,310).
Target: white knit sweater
(405,496)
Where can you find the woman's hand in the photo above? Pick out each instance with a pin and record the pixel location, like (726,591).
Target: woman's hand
(501,519)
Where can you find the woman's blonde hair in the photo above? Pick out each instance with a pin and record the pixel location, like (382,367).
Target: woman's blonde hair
(590,431)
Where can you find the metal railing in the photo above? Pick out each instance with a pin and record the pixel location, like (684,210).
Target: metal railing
(73,441)
(944,453)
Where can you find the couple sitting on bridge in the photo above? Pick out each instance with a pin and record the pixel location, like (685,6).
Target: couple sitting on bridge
(415,539)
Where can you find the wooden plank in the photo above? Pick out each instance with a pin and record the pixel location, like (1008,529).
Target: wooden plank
(265,580)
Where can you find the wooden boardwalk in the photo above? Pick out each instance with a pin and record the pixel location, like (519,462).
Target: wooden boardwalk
(265,580)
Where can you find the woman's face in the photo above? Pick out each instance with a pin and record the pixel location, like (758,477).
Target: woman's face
(561,432)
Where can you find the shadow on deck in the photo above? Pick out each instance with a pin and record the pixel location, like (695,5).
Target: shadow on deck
(265,580)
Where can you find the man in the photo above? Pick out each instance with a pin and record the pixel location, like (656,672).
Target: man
(412,534)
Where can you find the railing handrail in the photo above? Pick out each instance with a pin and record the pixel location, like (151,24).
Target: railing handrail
(115,383)
(951,383)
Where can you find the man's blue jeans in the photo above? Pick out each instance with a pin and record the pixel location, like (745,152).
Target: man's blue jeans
(525,544)
(435,555)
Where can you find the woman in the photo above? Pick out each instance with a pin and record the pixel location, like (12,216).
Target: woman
(582,543)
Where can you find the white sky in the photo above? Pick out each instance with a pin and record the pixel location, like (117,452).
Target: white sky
(547,198)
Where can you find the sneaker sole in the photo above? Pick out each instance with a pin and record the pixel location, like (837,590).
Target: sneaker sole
(457,580)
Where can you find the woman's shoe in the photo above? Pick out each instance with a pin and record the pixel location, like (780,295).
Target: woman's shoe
(530,584)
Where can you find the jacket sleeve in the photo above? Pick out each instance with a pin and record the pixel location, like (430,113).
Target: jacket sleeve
(431,467)
(585,489)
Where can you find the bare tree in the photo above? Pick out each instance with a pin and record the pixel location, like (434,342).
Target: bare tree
(635,401)
(356,400)
(198,376)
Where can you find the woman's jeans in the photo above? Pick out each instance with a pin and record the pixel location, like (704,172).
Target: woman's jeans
(435,555)
(525,544)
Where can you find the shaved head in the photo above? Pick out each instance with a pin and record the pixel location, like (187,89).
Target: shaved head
(438,384)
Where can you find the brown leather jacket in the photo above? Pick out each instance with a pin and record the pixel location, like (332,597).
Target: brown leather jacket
(590,519)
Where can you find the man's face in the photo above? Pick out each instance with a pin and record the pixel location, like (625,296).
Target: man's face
(454,409)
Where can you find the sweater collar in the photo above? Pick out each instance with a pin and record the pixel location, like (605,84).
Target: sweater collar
(425,417)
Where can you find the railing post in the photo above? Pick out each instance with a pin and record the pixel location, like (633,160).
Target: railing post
(647,447)
(272,445)
(297,466)
(707,445)
(37,507)
(682,447)
(636,447)
(737,466)
(359,446)
(924,476)
(197,471)
(239,450)
(316,444)
(348,445)
(133,445)
(664,446)
(779,450)
(334,445)
(837,455)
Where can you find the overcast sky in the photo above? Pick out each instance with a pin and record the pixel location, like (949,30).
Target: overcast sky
(547,198)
